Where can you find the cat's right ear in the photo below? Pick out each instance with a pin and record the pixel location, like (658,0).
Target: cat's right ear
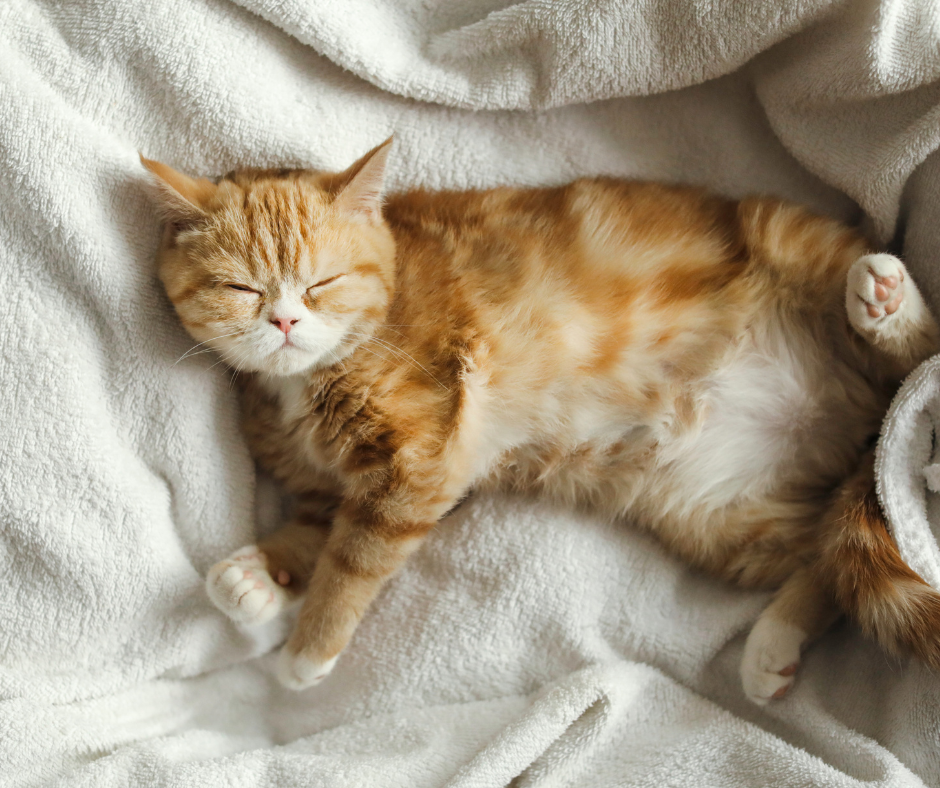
(182,200)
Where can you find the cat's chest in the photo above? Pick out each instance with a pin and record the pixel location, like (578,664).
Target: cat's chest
(291,447)
(293,401)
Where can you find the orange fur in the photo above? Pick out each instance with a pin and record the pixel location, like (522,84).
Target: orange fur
(584,341)
(868,577)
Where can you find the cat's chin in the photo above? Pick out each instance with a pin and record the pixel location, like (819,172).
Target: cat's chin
(287,363)
(283,363)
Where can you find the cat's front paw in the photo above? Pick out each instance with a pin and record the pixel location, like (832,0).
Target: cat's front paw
(297,671)
(241,587)
(771,659)
(875,291)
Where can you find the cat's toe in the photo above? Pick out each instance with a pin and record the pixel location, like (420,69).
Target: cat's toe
(298,671)
(241,587)
(875,290)
(771,659)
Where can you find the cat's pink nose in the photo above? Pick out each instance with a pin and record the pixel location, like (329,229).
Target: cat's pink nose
(284,323)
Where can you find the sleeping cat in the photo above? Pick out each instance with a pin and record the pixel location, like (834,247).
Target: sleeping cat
(711,370)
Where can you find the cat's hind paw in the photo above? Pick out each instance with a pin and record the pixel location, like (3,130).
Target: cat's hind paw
(241,587)
(875,292)
(885,307)
(297,671)
(771,659)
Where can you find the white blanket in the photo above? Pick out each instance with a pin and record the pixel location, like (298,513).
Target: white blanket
(521,643)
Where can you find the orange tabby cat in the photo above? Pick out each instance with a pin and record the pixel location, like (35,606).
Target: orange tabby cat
(712,370)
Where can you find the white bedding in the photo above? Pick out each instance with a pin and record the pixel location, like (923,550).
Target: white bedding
(521,642)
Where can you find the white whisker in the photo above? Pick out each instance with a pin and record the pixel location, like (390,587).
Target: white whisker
(408,357)
(200,344)
(401,355)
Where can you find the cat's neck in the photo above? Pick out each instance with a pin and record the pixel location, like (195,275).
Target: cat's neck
(288,390)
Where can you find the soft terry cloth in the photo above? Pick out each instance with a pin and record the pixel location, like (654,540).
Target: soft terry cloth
(908,470)
(520,640)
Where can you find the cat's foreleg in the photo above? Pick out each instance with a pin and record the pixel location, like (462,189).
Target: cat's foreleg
(800,612)
(364,549)
(259,581)
(885,307)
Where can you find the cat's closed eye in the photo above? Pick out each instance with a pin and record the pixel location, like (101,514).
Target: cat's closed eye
(243,289)
(325,282)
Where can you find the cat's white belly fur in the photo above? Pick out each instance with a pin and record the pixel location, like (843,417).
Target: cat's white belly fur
(762,421)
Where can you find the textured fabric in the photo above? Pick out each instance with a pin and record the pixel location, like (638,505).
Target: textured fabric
(521,642)
(908,470)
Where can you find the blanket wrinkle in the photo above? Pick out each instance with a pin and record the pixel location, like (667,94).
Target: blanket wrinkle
(598,659)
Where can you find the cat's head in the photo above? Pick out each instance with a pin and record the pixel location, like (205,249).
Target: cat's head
(280,271)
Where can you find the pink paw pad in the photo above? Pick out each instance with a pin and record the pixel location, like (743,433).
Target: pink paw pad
(884,292)
(788,671)
(241,587)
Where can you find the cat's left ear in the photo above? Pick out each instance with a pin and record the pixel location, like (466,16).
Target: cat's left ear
(183,200)
(365,185)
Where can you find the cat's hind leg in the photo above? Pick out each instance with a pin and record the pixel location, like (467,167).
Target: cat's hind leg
(801,611)
(885,307)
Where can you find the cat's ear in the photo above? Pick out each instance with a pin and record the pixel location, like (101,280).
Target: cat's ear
(182,200)
(365,184)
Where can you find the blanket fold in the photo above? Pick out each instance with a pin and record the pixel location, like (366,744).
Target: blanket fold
(907,470)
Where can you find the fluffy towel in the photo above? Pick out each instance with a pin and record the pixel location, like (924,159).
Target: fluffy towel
(908,470)
(521,643)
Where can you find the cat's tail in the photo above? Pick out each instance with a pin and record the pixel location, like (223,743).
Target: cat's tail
(871,582)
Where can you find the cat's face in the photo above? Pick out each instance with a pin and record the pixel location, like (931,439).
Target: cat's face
(280,272)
